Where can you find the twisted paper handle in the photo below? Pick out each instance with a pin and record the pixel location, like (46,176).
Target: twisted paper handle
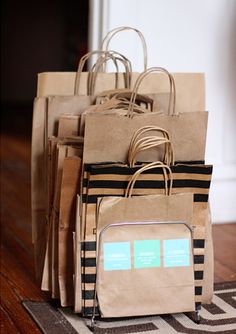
(152,165)
(138,144)
(172,99)
(115,57)
(113,32)
(103,54)
(151,142)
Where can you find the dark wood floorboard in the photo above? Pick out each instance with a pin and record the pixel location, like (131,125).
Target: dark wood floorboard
(224,237)
(17,268)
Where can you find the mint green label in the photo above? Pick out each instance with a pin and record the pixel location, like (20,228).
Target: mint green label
(176,253)
(147,253)
(117,256)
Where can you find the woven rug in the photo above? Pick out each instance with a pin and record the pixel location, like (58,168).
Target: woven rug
(219,317)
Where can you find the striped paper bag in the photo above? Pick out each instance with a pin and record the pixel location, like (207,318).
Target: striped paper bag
(111,180)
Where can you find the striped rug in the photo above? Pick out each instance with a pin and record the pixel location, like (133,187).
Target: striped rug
(219,317)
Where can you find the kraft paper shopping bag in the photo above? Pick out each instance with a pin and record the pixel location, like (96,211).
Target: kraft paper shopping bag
(114,132)
(70,184)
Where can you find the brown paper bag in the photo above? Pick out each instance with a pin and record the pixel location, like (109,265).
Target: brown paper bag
(44,254)
(62,149)
(67,215)
(187,130)
(142,226)
(208,278)
(68,126)
(77,258)
(134,236)
(38,189)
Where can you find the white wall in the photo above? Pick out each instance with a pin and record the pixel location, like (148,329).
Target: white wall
(187,36)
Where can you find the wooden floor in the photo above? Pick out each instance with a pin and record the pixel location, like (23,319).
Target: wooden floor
(17,271)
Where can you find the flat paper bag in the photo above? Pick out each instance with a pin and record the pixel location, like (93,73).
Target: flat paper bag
(77,260)
(38,187)
(67,216)
(145,269)
(63,151)
(68,125)
(50,269)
